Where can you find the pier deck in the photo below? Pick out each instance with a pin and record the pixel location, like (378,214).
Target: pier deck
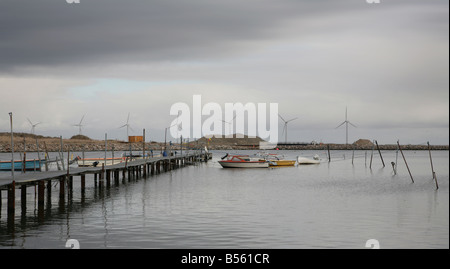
(104,174)
(31,178)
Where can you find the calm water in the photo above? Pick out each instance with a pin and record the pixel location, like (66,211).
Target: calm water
(331,205)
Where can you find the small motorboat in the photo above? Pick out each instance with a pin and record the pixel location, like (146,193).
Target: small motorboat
(242,161)
(282,163)
(304,160)
(94,162)
(276,160)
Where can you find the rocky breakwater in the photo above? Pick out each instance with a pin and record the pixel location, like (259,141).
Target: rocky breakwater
(29,143)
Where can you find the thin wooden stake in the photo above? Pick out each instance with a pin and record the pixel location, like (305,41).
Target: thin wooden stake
(353,154)
(371,157)
(401,151)
(435,180)
(379,152)
(329,156)
(432,169)
(431,160)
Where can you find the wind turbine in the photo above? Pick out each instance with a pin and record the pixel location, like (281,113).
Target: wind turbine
(346,126)
(285,127)
(79,125)
(230,123)
(127,125)
(33,126)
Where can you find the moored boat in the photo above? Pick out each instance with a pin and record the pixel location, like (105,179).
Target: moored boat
(304,160)
(30,165)
(276,160)
(282,162)
(242,161)
(93,162)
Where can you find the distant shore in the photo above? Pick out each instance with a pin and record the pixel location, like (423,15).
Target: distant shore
(27,143)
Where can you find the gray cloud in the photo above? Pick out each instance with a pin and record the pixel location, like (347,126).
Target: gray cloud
(387,62)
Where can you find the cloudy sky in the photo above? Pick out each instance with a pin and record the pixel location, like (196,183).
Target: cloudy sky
(388,63)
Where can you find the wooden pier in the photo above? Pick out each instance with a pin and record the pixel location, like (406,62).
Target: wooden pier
(104,174)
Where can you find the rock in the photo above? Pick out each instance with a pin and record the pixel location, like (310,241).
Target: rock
(363,143)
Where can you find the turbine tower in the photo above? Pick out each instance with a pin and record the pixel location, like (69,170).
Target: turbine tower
(33,126)
(230,124)
(346,122)
(285,127)
(79,125)
(128,126)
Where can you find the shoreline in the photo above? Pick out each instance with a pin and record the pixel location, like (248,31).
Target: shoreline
(96,145)
(24,142)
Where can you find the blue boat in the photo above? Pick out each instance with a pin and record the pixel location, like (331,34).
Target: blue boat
(30,165)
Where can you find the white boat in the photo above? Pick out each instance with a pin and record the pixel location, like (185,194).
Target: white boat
(242,161)
(304,160)
(94,162)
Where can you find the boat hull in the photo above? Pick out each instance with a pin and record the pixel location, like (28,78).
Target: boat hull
(229,164)
(30,165)
(303,160)
(282,163)
(90,162)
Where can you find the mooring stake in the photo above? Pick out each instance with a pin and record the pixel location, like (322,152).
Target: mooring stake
(401,151)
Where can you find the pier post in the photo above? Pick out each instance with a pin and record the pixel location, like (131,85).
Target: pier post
(41,193)
(12,198)
(83,183)
(49,193)
(61,188)
(23,197)
(115,177)
(108,178)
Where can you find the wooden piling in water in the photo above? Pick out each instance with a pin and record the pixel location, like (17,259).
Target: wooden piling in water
(23,196)
(401,151)
(371,157)
(379,152)
(435,180)
(41,192)
(83,182)
(61,187)
(329,155)
(432,168)
(12,198)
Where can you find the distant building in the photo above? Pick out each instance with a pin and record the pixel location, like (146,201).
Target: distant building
(134,139)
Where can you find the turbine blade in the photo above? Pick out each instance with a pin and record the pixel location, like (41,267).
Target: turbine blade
(128,119)
(352,124)
(292,119)
(281,117)
(123,126)
(29,121)
(340,125)
(82,119)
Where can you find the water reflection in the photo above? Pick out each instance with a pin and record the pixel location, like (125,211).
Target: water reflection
(336,204)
